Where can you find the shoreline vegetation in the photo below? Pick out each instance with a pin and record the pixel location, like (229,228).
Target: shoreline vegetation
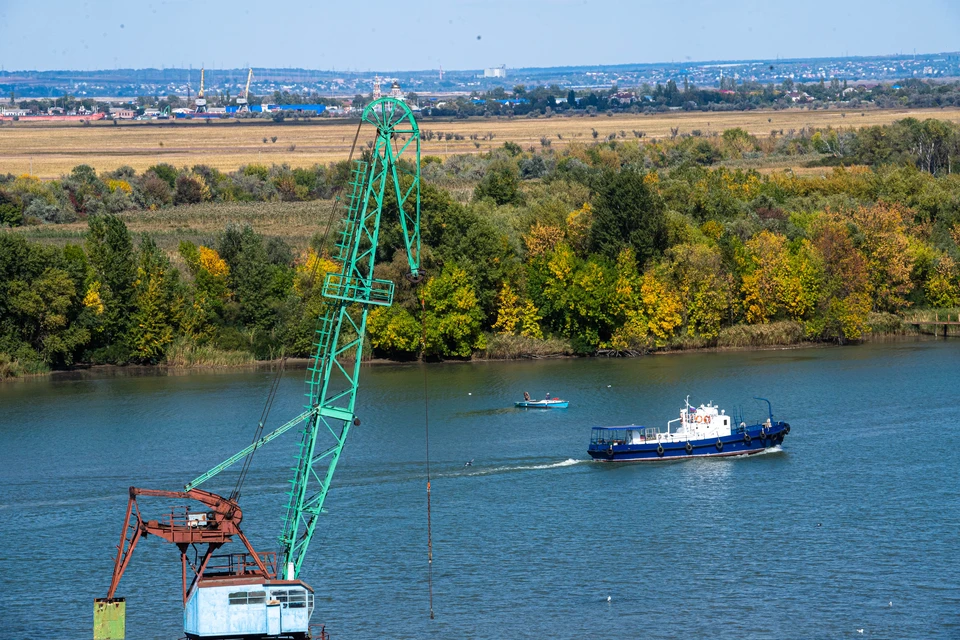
(620,246)
(739,338)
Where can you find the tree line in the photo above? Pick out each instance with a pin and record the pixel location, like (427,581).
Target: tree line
(596,248)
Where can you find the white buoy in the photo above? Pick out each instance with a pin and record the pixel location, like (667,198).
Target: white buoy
(469,394)
(859,630)
(608,386)
(609,598)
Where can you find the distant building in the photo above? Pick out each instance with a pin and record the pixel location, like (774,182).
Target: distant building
(395,91)
(495,72)
(122,113)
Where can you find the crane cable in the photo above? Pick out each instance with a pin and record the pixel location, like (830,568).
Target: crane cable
(275,385)
(426,429)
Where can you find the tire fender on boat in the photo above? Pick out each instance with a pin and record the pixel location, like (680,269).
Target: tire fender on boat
(610,451)
(660,450)
(719,445)
(786,428)
(746,438)
(689,447)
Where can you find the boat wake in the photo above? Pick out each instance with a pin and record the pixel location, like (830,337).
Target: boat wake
(773,449)
(569,462)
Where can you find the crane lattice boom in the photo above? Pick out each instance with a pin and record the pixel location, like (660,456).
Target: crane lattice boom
(333,375)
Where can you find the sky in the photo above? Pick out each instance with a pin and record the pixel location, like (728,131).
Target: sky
(377,35)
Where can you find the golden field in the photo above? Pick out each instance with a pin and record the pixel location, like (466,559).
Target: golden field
(50,150)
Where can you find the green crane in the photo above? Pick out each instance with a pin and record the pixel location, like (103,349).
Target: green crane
(388,173)
(390,170)
(334,371)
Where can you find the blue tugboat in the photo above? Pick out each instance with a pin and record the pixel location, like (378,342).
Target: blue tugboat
(546,403)
(704,431)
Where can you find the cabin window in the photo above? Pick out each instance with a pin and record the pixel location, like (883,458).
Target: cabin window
(297,599)
(294,598)
(726,422)
(247,597)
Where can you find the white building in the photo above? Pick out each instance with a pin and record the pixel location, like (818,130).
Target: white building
(495,72)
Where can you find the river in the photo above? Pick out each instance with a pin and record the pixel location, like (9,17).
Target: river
(852,525)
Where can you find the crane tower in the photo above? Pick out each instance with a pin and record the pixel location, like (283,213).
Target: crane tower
(242,101)
(201,101)
(252,594)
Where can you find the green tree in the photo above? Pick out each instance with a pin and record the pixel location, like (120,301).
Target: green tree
(703,285)
(151,328)
(11,210)
(259,287)
(394,331)
(501,183)
(627,212)
(42,307)
(110,251)
(452,315)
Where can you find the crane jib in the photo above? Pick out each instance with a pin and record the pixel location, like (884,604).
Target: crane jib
(334,371)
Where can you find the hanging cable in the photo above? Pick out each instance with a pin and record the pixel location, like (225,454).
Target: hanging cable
(308,289)
(426,429)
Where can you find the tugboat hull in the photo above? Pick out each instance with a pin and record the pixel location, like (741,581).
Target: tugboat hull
(754,439)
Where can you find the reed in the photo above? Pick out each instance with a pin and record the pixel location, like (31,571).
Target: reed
(888,324)
(11,367)
(504,346)
(761,335)
(185,353)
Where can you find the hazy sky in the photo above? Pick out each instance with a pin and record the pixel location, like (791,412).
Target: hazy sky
(458,34)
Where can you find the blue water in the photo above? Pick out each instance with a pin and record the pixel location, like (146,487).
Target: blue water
(852,525)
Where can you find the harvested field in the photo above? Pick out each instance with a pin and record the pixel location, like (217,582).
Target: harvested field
(49,150)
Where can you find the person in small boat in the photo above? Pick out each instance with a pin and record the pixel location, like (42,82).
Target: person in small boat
(526,396)
(548,396)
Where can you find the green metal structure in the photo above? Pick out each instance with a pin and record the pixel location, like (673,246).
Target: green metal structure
(334,373)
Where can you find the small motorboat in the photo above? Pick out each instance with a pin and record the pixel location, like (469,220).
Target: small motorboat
(546,403)
(704,431)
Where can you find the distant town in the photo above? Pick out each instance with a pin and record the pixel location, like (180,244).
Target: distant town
(859,82)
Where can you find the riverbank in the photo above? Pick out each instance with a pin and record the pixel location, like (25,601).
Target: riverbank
(905,332)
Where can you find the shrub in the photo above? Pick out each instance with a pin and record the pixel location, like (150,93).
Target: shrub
(156,191)
(42,210)
(166,172)
(191,189)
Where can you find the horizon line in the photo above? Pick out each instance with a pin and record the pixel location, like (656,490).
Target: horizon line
(430,70)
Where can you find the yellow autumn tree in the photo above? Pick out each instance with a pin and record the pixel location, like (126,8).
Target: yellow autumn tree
(703,285)
(210,273)
(885,246)
(542,239)
(943,285)
(578,228)
(778,282)
(648,307)
(92,299)
(661,305)
(516,317)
